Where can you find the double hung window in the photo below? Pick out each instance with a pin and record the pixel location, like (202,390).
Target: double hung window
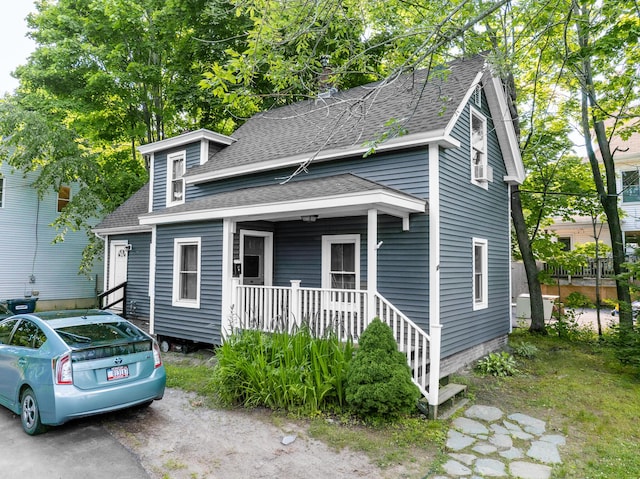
(480,274)
(186,272)
(479,165)
(175,178)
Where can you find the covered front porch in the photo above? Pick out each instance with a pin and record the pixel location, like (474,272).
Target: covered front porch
(297,262)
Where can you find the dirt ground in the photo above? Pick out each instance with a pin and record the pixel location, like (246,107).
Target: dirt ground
(180,437)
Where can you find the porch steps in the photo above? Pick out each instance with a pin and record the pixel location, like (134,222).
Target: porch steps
(452,396)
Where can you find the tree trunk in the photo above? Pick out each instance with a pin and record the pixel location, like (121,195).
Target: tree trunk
(530,267)
(607,192)
(520,226)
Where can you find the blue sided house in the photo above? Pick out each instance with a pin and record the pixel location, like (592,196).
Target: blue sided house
(388,200)
(35,272)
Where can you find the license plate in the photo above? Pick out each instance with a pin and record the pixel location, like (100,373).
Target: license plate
(117,372)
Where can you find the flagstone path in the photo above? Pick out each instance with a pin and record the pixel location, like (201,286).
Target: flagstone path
(486,443)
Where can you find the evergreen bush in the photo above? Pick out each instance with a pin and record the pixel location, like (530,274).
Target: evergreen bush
(378,384)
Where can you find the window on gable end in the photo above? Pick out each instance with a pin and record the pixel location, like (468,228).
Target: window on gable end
(176,168)
(186,272)
(480,273)
(64,196)
(480,172)
(477,95)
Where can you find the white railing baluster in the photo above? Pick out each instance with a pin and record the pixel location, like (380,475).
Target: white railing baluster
(343,312)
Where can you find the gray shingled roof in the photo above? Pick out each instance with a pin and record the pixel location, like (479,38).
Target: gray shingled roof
(127,214)
(349,118)
(344,184)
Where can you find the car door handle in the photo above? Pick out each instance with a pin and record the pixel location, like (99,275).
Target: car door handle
(22,362)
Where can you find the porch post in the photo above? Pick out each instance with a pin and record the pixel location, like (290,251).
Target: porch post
(372,264)
(295,315)
(228,289)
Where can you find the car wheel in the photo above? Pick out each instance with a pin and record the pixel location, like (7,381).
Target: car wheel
(30,415)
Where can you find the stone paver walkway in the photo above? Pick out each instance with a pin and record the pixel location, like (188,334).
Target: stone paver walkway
(485,443)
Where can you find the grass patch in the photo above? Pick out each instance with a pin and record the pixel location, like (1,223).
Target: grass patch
(583,392)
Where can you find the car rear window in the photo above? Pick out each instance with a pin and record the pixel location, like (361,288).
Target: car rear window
(103,340)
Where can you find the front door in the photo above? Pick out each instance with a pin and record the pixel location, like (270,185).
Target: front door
(256,253)
(118,261)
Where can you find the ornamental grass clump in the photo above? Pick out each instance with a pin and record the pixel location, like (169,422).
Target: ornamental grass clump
(379,382)
(291,371)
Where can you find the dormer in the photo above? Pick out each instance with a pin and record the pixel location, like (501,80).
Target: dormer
(170,159)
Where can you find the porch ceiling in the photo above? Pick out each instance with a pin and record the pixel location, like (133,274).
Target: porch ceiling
(333,196)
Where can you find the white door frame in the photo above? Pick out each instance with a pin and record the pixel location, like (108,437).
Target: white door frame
(118,269)
(268,253)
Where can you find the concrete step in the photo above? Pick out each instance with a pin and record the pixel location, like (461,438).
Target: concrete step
(450,396)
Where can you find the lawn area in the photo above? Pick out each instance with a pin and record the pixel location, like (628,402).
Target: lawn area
(583,391)
(579,388)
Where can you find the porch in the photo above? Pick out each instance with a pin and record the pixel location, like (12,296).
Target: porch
(342,312)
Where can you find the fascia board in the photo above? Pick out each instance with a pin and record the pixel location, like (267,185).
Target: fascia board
(202,134)
(122,230)
(456,114)
(388,200)
(505,130)
(408,141)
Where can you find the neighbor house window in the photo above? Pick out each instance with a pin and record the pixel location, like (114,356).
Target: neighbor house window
(565,242)
(480,274)
(64,196)
(630,186)
(175,178)
(479,168)
(2,192)
(341,262)
(186,272)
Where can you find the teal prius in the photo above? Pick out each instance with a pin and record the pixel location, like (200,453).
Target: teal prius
(60,365)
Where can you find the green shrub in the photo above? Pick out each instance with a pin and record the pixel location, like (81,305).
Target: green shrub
(567,327)
(379,382)
(525,350)
(625,344)
(578,300)
(497,364)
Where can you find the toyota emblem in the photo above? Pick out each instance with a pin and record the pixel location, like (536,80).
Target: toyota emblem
(118,361)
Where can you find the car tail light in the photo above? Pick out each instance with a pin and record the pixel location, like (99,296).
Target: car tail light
(63,370)
(157,359)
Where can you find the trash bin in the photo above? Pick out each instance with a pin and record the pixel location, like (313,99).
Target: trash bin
(523,306)
(22,305)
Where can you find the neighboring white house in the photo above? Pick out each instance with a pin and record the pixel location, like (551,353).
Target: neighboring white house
(626,155)
(31,266)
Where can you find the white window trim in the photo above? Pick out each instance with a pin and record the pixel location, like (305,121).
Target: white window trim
(327,241)
(177,244)
(170,158)
(484,303)
(474,178)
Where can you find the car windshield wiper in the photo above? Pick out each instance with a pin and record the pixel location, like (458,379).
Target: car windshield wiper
(76,337)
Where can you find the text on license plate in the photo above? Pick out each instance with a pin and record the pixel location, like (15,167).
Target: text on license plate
(117,372)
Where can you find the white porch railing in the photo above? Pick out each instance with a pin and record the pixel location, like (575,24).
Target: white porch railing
(344,312)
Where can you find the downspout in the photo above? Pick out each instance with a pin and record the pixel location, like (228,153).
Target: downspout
(510,315)
(435,327)
(152,279)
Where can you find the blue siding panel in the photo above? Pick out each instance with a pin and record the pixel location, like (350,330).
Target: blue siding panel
(203,324)
(469,211)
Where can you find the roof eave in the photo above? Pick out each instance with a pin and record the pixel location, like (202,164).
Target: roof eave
(121,230)
(190,137)
(386,201)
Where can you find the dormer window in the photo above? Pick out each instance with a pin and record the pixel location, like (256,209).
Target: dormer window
(479,165)
(175,178)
